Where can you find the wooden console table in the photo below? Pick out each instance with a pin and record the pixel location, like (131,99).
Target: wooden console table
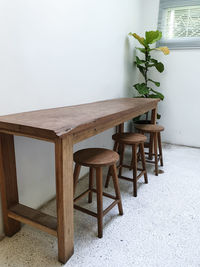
(64,127)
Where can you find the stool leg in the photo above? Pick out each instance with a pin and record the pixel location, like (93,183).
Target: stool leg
(143,162)
(151,147)
(134,155)
(108,178)
(91,180)
(156,153)
(139,158)
(121,159)
(76,175)
(139,152)
(99,201)
(160,149)
(116,186)
(115,148)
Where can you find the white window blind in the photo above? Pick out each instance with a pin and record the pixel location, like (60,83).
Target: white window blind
(179,21)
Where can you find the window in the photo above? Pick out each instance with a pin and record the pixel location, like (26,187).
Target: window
(179,21)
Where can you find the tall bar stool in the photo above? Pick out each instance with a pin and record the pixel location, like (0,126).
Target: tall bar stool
(154,130)
(135,140)
(95,159)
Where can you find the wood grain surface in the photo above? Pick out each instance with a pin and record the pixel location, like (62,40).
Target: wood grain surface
(49,124)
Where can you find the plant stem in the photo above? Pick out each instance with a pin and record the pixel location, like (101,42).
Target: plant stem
(146,67)
(146,73)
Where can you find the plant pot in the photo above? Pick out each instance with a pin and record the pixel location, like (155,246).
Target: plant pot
(142,122)
(138,122)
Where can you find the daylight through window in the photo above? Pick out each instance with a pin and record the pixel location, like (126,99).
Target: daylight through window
(180,25)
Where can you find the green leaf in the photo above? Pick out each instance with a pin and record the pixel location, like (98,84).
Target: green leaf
(160,67)
(157,94)
(142,88)
(149,57)
(139,61)
(154,60)
(156,83)
(153,96)
(153,36)
(141,69)
(158,116)
(143,50)
(151,65)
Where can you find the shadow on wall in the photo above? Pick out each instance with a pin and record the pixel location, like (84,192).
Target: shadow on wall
(131,74)
(130,70)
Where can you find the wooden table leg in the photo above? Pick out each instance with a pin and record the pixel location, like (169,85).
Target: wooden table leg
(64,197)
(121,128)
(153,121)
(154,116)
(8,182)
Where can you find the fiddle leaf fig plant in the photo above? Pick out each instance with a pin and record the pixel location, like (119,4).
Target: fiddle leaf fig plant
(144,64)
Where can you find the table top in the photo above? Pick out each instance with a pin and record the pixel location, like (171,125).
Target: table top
(57,122)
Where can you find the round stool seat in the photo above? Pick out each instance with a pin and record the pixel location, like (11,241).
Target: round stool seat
(96,157)
(129,138)
(150,128)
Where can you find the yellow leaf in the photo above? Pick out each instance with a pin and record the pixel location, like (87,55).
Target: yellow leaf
(139,38)
(164,49)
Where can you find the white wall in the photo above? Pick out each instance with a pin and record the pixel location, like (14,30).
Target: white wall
(56,53)
(180,85)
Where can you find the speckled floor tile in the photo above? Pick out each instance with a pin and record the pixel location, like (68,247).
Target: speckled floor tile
(159,228)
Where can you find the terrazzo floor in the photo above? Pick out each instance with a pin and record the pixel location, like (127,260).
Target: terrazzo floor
(159,228)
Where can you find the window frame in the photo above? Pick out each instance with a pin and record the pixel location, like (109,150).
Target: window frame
(176,43)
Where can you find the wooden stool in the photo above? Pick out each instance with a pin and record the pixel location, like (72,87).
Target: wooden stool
(135,140)
(95,159)
(155,131)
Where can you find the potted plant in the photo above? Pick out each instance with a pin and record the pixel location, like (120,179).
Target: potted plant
(144,65)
